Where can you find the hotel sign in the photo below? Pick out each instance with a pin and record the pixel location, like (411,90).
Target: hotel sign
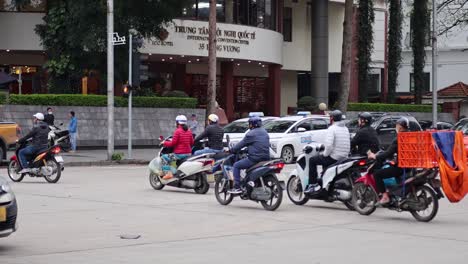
(190,38)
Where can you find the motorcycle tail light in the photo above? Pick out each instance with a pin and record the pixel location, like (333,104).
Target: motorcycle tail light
(56,150)
(362,163)
(277,167)
(208,162)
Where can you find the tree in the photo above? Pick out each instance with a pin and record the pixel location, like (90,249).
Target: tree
(345,78)
(365,45)
(74,35)
(394,47)
(419,28)
(452,16)
(211,92)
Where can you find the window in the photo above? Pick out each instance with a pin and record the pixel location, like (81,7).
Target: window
(287,24)
(32,6)
(374,84)
(318,124)
(427,82)
(200,9)
(279,126)
(306,125)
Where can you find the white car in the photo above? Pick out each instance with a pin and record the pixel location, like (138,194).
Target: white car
(288,135)
(237,129)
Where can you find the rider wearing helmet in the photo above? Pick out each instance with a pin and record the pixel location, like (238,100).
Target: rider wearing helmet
(257,142)
(214,133)
(182,142)
(337,146)
(402,125)
(39,135)
(366,137)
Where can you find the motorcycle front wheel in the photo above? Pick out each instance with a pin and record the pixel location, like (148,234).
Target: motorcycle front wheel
(155,181)
(429,198)
(56,171)
(276,198)
(222,186)
(295,192)
(364,198)
(13,169)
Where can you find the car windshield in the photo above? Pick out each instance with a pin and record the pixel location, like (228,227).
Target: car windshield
(236,127)
(278,126)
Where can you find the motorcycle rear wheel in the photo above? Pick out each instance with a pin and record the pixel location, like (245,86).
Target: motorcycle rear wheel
(295,192)
(364,199)
(430,198)
(276,193)
(13,168)
(204,187)
(155,181)
(222,186)
(57,171)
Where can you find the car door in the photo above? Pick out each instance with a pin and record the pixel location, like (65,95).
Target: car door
(300,136)
(386,132)
(318,130)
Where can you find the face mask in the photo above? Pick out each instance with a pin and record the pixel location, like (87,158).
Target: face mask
(50,112)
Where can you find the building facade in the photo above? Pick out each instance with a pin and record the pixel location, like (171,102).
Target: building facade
(270,52)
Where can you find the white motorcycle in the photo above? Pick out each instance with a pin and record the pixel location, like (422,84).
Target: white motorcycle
(337,180)
(60,137)
(191,172)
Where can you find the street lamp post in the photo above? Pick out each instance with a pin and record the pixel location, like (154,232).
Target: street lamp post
(130,50)
(110,79)
(434,64)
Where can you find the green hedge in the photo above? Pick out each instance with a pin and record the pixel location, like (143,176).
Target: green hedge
(101,100)
(374,107)
(3,98)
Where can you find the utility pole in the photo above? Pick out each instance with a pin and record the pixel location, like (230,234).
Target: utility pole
(130,83)
(434,64)
(211,92)
(110,79)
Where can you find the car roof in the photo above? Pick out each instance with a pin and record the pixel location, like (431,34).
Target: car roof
(299,118)
(261,117)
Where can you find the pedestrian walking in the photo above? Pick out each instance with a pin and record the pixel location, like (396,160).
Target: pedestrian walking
(193,124)
(49,118)
(73,129)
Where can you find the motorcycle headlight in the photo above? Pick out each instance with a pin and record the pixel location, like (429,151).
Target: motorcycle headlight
(6,195)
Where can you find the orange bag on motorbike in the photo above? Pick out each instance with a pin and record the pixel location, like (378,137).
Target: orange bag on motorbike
(454,178)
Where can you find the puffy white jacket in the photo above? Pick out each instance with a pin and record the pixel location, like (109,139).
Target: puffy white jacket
(337,144)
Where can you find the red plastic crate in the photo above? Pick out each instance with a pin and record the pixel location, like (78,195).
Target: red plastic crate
(416,150)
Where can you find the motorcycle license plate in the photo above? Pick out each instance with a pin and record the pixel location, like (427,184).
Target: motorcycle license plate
(59,159)
(2,214)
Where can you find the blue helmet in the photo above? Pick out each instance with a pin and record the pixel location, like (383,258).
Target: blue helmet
(255,121)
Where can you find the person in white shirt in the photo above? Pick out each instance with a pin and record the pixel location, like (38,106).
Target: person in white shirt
(337,147)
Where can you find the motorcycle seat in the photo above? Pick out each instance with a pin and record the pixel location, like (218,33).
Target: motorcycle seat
(260,164)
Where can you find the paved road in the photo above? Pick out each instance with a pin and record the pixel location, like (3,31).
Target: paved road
(80,219)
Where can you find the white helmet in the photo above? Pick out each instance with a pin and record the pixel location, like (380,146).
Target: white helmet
(181,119)
(39,116)
(213,118)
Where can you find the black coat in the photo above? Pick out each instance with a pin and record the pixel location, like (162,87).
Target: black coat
(39,135)
(365,139)
(215,135)
(49,119)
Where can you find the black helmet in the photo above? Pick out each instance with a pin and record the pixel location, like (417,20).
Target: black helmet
(336,115)
(366,116)
(404,122)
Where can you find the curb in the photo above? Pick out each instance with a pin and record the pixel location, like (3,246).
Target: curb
(105,163)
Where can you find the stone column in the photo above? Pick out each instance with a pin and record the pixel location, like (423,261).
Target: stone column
(274,90)
(229,11)
(227,88)
(319,51)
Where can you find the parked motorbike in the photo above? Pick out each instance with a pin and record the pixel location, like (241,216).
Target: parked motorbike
(57,136)
(260,183)
(417,193)
(47,164)
(191,172)
(337,179)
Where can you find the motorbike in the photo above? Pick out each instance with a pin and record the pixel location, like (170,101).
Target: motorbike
(47,164)
(60,137)
(260,183)
(417,192)
(337,179)
(191,172)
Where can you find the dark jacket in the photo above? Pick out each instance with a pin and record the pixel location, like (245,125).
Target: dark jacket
(215,134)
(257,141)
(366,138)
(49,119)
(388,154)
(39,135)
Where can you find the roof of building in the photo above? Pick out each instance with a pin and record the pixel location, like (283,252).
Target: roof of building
(458,89)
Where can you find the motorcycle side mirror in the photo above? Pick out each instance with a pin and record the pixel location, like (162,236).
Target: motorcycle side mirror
(61,124)
(308,149)
(161,138)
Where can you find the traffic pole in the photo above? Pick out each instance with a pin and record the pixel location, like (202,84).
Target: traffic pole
(130,95)
(434,64)
(110,79)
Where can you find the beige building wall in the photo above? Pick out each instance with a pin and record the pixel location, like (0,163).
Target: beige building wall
(288,90)
(17,31)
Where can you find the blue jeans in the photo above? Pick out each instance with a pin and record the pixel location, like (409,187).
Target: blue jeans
(206,151)
(26,154)
(238,166)
(73,141)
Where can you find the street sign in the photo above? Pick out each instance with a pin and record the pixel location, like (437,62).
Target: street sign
(116,40)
